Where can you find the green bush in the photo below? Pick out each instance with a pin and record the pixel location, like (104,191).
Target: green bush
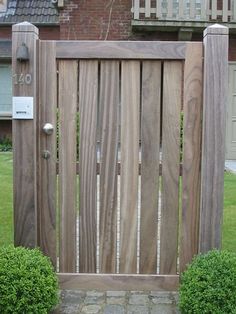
(209,284)
(5,144)
(28,283)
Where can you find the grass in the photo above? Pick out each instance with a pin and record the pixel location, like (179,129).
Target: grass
(6,211)
(229,221)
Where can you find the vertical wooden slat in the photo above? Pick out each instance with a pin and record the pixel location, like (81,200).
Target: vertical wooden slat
(225,11)
(192,8)
(130,101)
(181,9)
(158,9)
(88,93)
(67,164)
(147,8)
(24,141)
(213,9)
(136,9)
(151,87)
(47,167)
(213,139)
(170,166)
(169,9)
(191,154)
(109,104)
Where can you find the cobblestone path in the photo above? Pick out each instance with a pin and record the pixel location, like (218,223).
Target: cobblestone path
(117,302)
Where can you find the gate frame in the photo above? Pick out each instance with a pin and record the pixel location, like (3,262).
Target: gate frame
(26,151)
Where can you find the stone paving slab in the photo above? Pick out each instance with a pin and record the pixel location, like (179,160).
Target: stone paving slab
(117,302)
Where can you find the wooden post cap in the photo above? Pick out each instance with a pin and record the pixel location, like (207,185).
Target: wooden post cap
(216,29)
(25,27)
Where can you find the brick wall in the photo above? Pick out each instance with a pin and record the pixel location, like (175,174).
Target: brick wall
(232,48)
(45,32)
(111,20)
(96,19)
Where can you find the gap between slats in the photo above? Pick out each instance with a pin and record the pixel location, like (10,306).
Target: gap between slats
(121,196)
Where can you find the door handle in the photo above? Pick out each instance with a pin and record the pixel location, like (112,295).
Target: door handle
(48,128)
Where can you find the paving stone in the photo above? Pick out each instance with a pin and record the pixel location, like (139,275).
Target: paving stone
(139,292)
(163,309)
(175,296)
(91,309)
(161,293)
(138,299)
(94,300)
(116,293)
(137,309)
(94,293)
(67,309)
(116,300)
(72,296)
(114,309)
(160,297)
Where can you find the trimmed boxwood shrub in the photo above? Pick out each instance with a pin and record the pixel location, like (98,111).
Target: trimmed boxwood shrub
(5,144)
(28,283)
(209,284)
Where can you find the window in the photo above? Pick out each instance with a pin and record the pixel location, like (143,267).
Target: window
(5,91)
(3,6)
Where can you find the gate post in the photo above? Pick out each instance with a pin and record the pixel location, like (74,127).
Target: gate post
(24,135)
(213,137)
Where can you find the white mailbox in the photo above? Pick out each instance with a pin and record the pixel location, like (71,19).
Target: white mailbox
(23,108)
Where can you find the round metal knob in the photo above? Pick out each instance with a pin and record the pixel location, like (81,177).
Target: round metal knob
(46,154)
(48,128)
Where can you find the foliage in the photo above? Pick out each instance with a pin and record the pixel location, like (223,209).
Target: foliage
(229,221)
(28,283)
(209,284)
(5,144)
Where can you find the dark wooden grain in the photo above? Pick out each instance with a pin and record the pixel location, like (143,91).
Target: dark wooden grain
(170,166)
(119,166)
(189,233)
(88,92)
(47,167)
(108,111)
(120,50)
(24,142)
(130,101)
(213,139)
(68,72)
(150,141)
(104,282)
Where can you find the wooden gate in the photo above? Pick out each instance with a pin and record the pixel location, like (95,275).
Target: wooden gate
(135,192)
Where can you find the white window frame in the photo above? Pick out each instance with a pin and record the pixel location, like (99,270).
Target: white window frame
(5,115)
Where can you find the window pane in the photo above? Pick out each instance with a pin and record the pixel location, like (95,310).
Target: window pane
(5,90)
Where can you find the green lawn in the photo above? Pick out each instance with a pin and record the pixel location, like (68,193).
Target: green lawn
(229,221)
(6,216)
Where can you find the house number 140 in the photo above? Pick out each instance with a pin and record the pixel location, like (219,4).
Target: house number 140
(22,79)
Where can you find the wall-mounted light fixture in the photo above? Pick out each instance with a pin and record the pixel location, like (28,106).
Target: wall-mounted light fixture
(60,3)
(22,53)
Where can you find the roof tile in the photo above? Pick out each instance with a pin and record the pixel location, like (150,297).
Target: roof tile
(33,11)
